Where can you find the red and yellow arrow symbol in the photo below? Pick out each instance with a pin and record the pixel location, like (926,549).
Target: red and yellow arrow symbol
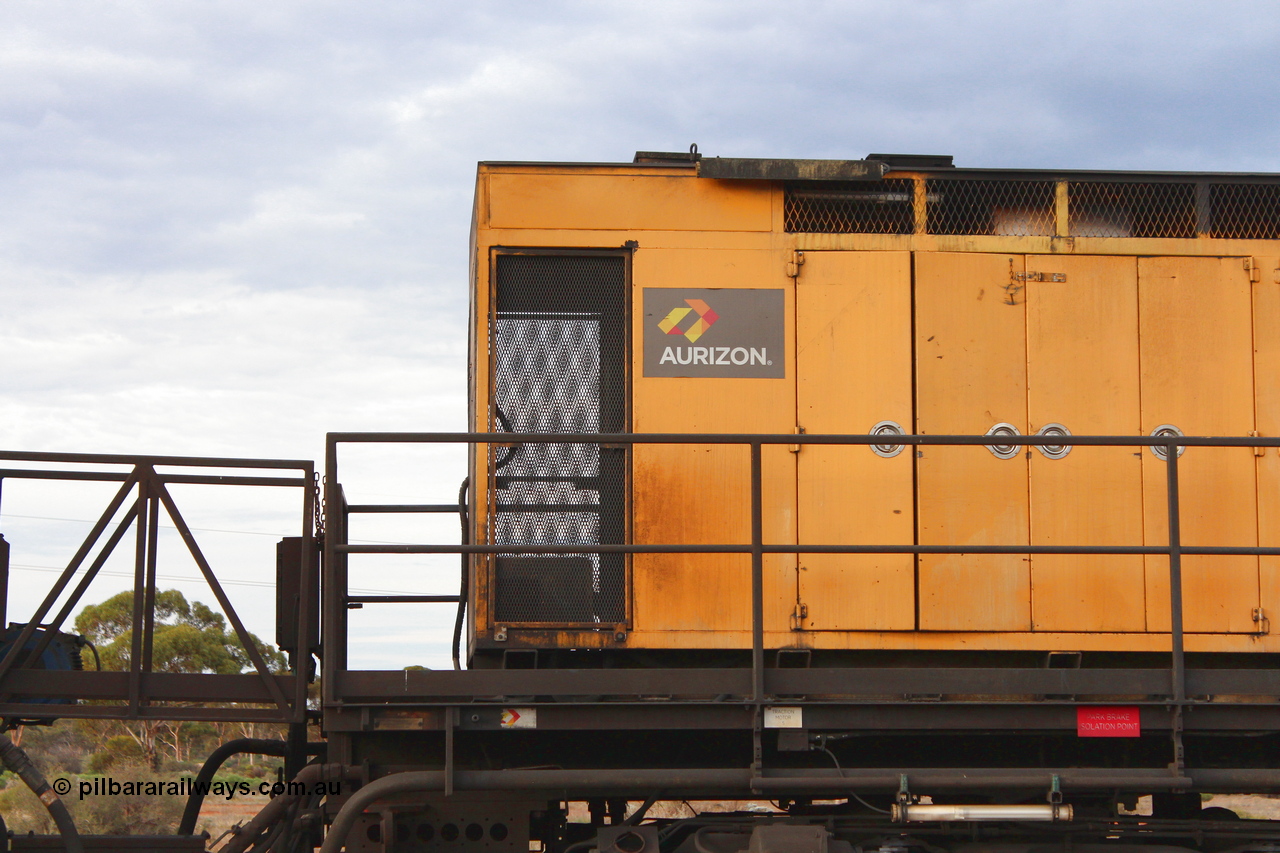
(706,317)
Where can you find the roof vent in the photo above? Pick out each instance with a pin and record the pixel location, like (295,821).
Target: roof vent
(915,161)
(690,156)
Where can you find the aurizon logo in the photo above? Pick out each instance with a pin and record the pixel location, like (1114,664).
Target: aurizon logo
(670,324)
(706,318)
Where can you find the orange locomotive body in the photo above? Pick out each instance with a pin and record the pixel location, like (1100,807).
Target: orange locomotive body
(679,294)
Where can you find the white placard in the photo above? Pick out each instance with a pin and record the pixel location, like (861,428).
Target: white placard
(780,717)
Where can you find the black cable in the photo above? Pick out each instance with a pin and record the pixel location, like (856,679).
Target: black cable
(464,584)
(97,661)
(254,746)
(851,794)
(18,761)
(643,810)
(506,425)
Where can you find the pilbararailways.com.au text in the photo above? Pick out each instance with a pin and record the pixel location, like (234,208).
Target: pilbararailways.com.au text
(185,787)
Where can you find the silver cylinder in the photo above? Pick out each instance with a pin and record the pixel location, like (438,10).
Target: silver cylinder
(920,813)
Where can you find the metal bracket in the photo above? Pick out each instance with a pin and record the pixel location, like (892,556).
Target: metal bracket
(905,797)
(795,448)
(1260,619)
(1055,790)
(450,724)
(500,634)
(798,616)
(1178,765)
(1252,267)
(1040,276)
(793,265)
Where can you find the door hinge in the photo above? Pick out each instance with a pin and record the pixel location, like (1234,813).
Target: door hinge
(798,616)
(793,265)
(1254,269)
(1261,620)
(795,448)
(1040,276)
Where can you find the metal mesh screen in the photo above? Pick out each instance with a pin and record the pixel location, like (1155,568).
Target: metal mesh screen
(558,347)
(851,207)
(1005,208)
(1132,209)
(1245,211)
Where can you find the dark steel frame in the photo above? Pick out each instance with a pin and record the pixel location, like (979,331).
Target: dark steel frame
(139,687)
(337,511)
(884,699)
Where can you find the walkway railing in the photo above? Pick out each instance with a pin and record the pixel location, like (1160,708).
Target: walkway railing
(139,503)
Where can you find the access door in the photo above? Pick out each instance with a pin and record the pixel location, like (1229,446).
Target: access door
(1082,378)
(558,345)
(1196,333)
(700,494)
(971,377)
(853,359)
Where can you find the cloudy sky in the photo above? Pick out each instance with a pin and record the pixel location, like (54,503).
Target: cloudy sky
(229,227)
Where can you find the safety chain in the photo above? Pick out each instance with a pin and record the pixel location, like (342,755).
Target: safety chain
(318,497)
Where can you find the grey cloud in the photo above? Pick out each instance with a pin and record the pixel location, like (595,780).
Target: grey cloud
(230,226)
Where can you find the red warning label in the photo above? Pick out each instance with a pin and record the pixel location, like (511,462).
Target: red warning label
(1108,721)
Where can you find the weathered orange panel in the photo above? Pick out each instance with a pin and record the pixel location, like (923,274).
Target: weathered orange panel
(853,370)
(971,374)
(1196,335)
(1082,373)
(1266,366)
(625,203)
(686,494)
(1121,346)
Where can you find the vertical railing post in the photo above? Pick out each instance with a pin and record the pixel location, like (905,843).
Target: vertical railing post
(1178,672)
(149,603)
(137,639)
(333,610)
(4,572)
(757,576)
(301,659)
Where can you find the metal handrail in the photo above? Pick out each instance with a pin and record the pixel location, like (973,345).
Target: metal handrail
(757,548)
(143,511)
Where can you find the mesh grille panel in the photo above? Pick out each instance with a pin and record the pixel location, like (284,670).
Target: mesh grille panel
(851,207)
(1245,211)
(1132,210)
(1005,208)
(1025,208)
(558,346)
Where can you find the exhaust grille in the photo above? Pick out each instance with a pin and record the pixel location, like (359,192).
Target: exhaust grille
(1028,208)
(1005,208)
(1132,209)
(851,207)
(1245,211)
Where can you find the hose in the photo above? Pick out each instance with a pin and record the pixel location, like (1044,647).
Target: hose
(274,810)
(253,746)
(466,537)
(463,590)
(639,813)
(17,761)
(506,425)
(336,837)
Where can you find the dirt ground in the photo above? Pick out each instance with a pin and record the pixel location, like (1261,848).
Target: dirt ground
(1248,806)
